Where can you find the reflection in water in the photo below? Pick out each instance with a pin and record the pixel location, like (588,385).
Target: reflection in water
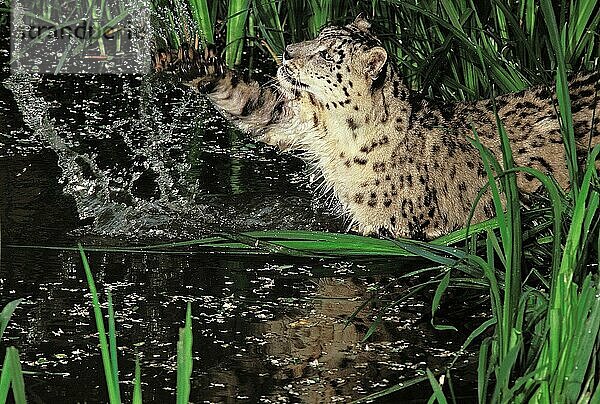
(263,331)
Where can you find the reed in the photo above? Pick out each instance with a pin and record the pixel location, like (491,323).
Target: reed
(108,348)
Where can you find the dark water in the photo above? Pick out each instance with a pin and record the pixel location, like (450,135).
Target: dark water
(109,161)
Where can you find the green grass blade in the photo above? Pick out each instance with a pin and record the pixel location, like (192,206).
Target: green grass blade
(437,388)
(439,291)
(562,91)
(114,395)
(400,386)
(587,335)
(6,313)
(297,243)
(112,340)
(137,383)
(5,377)
(482,370)
(270,24)
(184,359)
(18,384)
(12,374)
(203,20)
(237,15)
(474,334)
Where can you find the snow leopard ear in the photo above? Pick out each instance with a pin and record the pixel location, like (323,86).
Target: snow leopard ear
(375,60)
(362,23)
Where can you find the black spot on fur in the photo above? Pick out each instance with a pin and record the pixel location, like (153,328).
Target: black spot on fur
(585,92)
(481,171)
(235,80)
(396,88)
(352,124)
(452,172)
(248,108)
(379,166)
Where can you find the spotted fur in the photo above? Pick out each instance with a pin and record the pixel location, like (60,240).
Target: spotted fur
(398,164)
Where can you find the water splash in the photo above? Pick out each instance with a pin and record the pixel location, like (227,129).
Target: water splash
(144,159)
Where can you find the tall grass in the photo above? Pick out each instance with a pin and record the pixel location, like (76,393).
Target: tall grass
(437,43)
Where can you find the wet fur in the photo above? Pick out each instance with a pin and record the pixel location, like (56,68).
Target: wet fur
(399,165)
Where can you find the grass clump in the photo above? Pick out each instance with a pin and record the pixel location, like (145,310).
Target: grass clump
(108,348)
(11,374)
